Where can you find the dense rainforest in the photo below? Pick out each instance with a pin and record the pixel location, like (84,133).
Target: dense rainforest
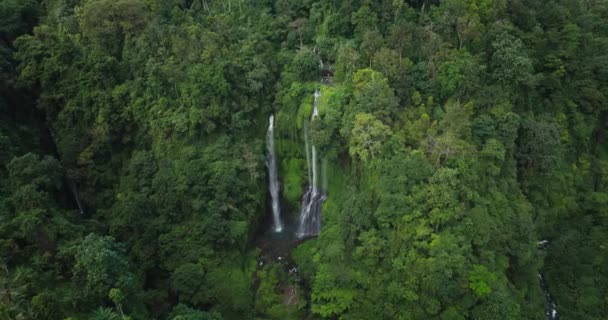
(460,148)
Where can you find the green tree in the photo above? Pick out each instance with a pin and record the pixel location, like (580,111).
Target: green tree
(540,147)
(367,137)
(105,314)
(459,73)
(101,263)
(17,17)
(188,281)
(460,17)
(111,22)
(510,63)
(480,280)
(305,65)
(13,290)
(183,312)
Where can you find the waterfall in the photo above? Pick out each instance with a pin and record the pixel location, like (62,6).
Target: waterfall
(551,308)
(76,195)
(273,180)
(312,201)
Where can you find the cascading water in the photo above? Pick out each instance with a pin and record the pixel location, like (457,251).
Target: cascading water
(273,179)
(551,306)
(312,201)
(76,195)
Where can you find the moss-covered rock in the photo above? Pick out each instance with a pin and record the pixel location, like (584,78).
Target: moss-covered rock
(294,178)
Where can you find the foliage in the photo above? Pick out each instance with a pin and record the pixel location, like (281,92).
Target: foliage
(367,137)
(101,264)
(455,136)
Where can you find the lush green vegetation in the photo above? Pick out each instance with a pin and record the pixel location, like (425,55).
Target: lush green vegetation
(456,134)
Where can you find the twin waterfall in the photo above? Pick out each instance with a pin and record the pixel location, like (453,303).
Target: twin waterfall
(310,215)
(309,223)
(273,177)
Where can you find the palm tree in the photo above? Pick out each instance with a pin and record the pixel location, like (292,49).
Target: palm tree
(13,288)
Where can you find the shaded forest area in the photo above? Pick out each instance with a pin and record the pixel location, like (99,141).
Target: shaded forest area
(458,136)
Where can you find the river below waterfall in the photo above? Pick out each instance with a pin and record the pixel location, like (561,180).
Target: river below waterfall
(277,244)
